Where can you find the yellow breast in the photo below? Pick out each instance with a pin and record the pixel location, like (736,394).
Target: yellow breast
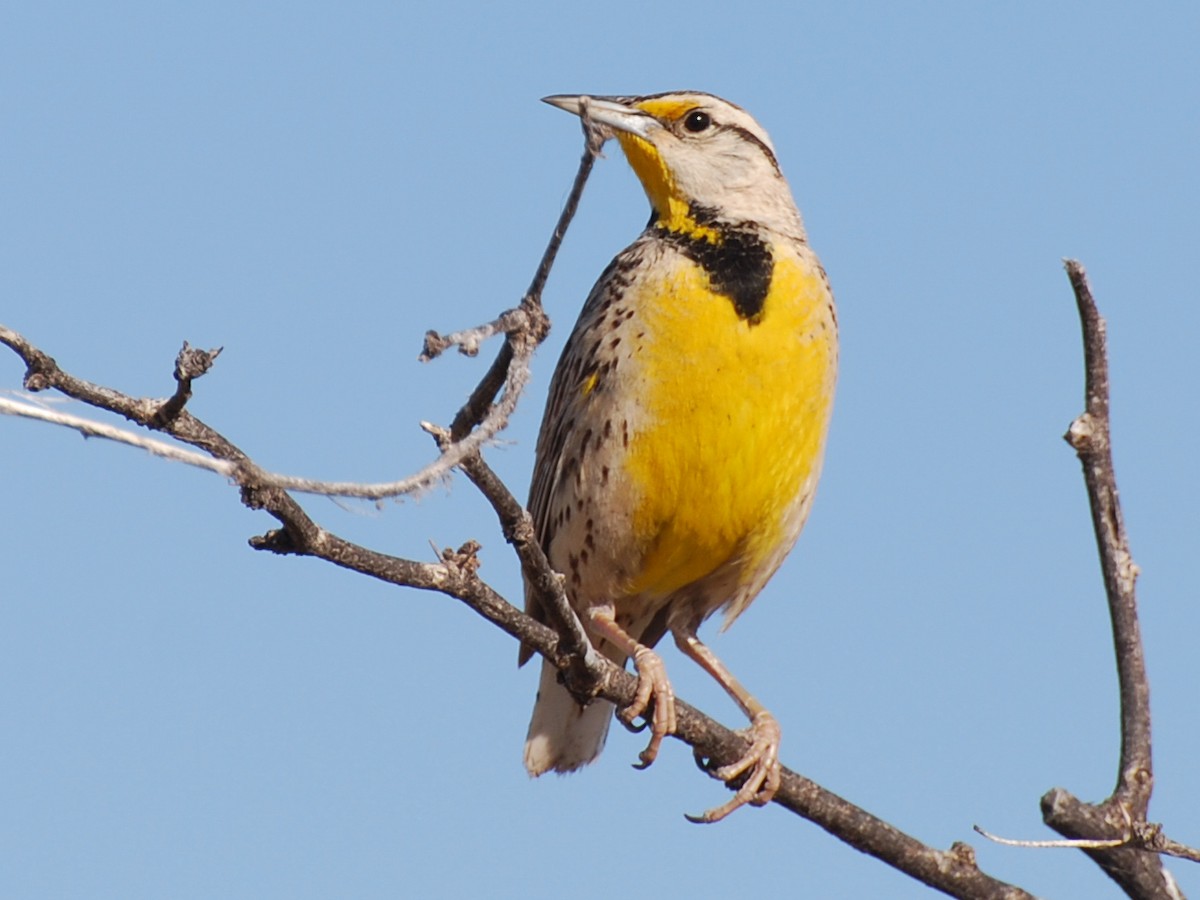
(735,416)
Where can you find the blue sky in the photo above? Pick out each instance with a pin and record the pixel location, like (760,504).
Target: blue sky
(313,189)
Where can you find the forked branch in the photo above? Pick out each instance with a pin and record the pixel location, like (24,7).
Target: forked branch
(1134,860)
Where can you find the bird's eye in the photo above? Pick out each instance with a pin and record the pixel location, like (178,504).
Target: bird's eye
(697,121)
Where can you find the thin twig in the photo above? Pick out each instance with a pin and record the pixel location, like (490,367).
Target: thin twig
(91,428)
(594,137)
(1072,843)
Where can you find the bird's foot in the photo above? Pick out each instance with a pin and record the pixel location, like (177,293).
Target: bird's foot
(653,685)
(760,766)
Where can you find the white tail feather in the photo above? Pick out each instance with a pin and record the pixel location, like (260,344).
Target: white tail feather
(563,736)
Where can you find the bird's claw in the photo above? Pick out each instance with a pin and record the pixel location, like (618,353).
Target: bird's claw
(653,685)
(760,765)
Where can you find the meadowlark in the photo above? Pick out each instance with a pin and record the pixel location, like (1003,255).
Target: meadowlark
(685,427)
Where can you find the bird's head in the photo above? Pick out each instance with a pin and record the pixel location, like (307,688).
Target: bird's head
(702,160)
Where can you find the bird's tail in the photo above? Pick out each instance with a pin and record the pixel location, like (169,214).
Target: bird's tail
(563,736)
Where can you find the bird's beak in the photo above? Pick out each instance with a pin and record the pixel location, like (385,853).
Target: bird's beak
(606,111)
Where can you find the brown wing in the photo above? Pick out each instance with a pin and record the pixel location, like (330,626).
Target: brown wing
(580,363)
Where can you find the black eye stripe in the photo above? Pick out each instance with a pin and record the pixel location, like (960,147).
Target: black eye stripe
(698,121)
(752,138)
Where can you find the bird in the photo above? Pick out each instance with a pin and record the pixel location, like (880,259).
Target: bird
(685,427)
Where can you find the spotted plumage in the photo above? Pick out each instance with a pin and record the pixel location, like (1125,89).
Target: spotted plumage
(684,431)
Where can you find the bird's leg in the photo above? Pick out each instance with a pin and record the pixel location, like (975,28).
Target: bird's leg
(652,682)
(762,761)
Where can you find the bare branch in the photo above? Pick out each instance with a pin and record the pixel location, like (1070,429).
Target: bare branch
(1139,873)
(1090,435)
